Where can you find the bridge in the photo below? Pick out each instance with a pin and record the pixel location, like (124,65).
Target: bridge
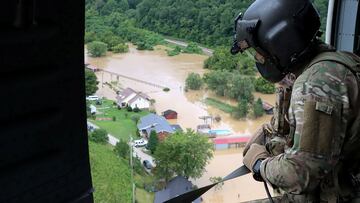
(133,79)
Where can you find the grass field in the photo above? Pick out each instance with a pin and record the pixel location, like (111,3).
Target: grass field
(123,126)
(110,175)
(220,105)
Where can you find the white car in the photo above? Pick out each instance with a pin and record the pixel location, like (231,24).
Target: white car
(140,143)
(92,98)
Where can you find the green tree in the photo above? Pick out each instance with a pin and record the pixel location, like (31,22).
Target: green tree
(90,82)
(99,136)
(120,48)
(258,108)
(135,118)
(193,81)
(192,48)
(242,110)
(183,153)
(153,141)
(122,149)
(97,49)
(263,86)
(240,88)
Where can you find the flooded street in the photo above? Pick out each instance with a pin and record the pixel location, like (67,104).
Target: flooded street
(158,68)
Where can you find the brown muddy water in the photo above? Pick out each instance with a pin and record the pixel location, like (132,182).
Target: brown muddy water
(156,67)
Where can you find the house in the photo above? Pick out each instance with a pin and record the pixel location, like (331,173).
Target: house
(268,108)
(154,122)
(228,142)
(170,114)
(176,186)
(129,97)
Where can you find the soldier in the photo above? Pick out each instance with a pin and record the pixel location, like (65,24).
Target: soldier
(309,151)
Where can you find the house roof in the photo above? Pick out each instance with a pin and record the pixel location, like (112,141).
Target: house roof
(129,95)
(139,95)
(169,111)
(231,140)
(176,186)
(154,122)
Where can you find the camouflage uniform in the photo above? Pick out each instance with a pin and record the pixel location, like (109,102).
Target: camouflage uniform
(319,160)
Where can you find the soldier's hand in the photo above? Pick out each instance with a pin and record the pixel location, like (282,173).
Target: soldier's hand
(253,158)
(261,136)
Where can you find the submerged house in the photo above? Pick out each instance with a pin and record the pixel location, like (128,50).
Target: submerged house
(129,97)
(176,186)
(154,122)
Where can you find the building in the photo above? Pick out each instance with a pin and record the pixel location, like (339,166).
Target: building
(176,186)
(229,142)
(268,108)
(129,97)
(170,114)
(154,122)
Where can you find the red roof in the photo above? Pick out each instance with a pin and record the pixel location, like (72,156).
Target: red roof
(231,140)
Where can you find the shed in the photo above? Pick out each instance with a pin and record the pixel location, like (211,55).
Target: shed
(170,114)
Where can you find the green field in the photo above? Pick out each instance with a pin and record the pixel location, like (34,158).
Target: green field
(111,175)
(123,127)
(220,105)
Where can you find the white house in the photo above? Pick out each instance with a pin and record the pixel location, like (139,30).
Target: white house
(130,97)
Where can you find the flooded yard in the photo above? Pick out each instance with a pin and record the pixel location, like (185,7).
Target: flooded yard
(158,68)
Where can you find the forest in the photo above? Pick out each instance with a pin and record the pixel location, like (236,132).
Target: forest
(208,22)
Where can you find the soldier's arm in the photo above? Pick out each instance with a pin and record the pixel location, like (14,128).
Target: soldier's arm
(319,113)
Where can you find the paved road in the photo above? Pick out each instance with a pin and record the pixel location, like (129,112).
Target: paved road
(137,152)
(184,44)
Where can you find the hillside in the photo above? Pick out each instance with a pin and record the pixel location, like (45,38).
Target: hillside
(110,175)
(209,22)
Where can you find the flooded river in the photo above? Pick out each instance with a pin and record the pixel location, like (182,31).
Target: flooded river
(158,68)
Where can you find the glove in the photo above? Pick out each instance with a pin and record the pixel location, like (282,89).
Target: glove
(261,136)
(255,153)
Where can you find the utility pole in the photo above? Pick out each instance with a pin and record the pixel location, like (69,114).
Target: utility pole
(132,170)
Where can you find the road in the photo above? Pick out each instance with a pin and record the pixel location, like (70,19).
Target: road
(206,51)
(137,152)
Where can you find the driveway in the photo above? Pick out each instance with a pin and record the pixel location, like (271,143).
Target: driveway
(137,152)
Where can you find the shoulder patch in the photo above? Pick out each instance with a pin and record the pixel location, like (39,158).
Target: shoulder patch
(323,107)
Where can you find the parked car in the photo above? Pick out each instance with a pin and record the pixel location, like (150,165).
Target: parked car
(92,98)
(140,143)
(147,164)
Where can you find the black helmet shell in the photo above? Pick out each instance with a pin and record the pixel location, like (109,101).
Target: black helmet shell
(280,30)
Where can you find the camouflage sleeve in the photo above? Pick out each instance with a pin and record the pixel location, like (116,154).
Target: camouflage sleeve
(318,113)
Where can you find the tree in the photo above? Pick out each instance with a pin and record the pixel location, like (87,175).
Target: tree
(122,149)
(192,48)
(99,136)
(263,86)
(97,49)
(90,82)
(242,110)
(153,141)
(135,118)
(193,81)
(258,108)
(120,48)
(183,153)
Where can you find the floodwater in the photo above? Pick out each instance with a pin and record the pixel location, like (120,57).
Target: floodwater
(158,68)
